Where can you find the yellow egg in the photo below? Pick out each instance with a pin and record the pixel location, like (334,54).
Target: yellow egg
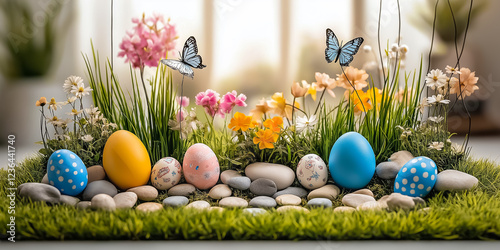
(126,160)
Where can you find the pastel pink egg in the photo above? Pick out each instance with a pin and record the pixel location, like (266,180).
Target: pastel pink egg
(200,166)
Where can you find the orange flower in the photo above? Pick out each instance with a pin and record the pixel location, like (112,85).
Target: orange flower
(356,77)
(240,121)
(298,90)
(364,104)
(280,107)
(467,84)
(323,81)
(265,138)
(275,124)
(41,102)
(375,96)
(260,109)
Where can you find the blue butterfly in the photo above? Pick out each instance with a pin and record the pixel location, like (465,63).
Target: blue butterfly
(189,59)
(343,54)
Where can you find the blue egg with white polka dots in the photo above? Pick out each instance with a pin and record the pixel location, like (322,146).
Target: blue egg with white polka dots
(417,177)
(67,172)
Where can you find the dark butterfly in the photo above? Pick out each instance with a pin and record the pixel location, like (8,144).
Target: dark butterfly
(189,59)
(343,54)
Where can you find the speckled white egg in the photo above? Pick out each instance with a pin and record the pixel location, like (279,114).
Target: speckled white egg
(67,172)
(166,173)
(312,172)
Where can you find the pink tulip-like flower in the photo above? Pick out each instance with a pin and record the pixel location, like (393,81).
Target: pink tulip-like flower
(148,42)
(210,100)
(183,101)
(230,100)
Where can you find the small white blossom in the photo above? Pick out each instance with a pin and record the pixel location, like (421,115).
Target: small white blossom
(437,99)
(403,49)
(436,119)
(80,90)
(305,124)
(87,138)
(435,79)
(436,145)
(71,82)
(451,70)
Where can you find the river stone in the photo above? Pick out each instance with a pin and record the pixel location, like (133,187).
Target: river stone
(288,199)
(83,204)
(282,175)
(69,200)
(255,211)
(240,182)
(220,191)
(371,205)
(233,202)
(300,192)
(319,202)
(175,201)
(400,201)
(342,209)
(226,175)
(454,180)
(149,207)
(419,202)
(263,201)
(218,209)
(354,200)
(383,201)
(198,205)
(181,190)
(45,179)
(145,193)
(103,201)
(39,192)
(263,186)
(328,191)
(99,187)
(401,157)
(96,173)
(125,200)
(388,170)
(285,209)
(364,191)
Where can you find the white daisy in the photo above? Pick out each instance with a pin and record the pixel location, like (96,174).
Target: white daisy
(451,70)
(437,99)
(436,145)
(75,112)
(305,124)
(55,105)
(70,100)
(80,90)
(54,120)
(435,79)
(71,82)
(436,119)
(87,138)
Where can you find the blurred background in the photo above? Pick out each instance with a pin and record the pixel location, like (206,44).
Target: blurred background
(256,47)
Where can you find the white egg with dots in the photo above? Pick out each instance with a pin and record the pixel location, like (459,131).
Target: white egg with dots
(64,170)
(417,177)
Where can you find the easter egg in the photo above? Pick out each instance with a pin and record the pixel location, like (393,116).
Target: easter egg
(67,172)
(200,166)
(126,160)
(352,161)
(417,177)
(312,172)
(166,173)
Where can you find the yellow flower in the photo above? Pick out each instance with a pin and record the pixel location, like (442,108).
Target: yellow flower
(240,121)
(363,105)
(280,107)
(356,77)
(275,124)
(265,138)
(299,91)
(41,102)
(260,109)
(375,96)
(311,90)
(467,84)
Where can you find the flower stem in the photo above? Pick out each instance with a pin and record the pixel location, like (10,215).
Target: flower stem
(293,107)
(41,131)
(150,111)
(319,102)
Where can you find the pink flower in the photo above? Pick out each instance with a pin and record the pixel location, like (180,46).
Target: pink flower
(183,101)
(210,100)
(232,99)
(181,115)
(148,42)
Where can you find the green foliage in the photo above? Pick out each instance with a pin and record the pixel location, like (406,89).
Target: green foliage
(148,121)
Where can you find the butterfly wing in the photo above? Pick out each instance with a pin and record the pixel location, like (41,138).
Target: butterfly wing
(190,54)
(347,52)
(332,46)
(180,66)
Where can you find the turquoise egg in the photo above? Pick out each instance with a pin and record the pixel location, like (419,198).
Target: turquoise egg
(352,161)
(417,177)
(67,172)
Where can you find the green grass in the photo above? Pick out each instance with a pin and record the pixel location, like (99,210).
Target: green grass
(471,214)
